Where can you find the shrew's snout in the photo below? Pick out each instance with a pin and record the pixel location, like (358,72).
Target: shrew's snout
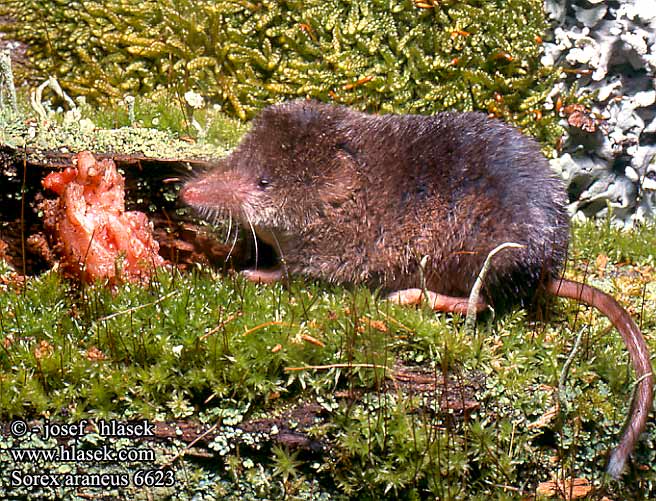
(228,190)
(189,193)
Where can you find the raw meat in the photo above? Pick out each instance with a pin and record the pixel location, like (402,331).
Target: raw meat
(96,238)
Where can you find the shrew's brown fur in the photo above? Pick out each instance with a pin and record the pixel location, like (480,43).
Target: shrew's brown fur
(355,198)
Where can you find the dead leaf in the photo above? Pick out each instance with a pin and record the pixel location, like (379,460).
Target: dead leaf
(312,340)
(374,324)
(579,116)
(94,353)
(568,489)
(43,350)
(276,348)
(8,340)
(601,262)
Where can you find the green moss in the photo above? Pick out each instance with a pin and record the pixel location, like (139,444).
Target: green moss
(215,349)
(155,133)
(371,54)
(602,237)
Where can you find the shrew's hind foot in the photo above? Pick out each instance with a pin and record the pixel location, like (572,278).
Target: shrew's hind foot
(439,302)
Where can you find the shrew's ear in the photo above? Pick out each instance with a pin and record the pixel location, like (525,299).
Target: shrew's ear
(294,119)
(341,180)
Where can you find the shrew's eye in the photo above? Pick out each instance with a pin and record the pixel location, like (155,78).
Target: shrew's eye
(263,183)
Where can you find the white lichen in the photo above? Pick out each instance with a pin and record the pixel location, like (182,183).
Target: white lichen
(7,86)
(194,99)
(611,52)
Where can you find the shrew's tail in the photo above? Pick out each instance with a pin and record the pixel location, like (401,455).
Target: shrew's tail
(638,352)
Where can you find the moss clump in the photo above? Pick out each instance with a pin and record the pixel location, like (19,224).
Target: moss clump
(421,56)
(154,131)
(201,348)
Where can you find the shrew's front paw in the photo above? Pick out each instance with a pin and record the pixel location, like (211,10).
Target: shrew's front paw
(263,276)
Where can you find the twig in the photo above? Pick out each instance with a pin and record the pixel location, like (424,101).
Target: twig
(335,366)
(478,284)
(393,320)
(266,324)
(191,444)
(568,363)
(135,308)
(422,279)
(221,325)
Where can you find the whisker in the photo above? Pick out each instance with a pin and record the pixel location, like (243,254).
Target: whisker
(229,227)
(248,219)
(234,243)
